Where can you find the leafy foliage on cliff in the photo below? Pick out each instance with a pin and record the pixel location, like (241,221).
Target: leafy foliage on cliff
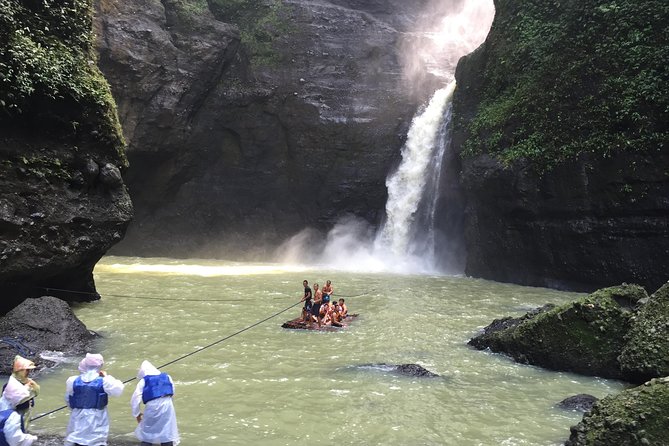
(565,77)
(49,83)
(260,23)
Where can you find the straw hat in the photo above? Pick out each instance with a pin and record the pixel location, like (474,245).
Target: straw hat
(21,363)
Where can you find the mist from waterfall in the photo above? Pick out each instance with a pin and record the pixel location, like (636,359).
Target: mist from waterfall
(406,241)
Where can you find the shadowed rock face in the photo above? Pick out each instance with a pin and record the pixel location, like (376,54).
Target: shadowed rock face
(230,152)
(585,206)
(63,201)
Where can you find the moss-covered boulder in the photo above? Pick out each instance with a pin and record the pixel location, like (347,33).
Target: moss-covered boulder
(585,336)
(634,417)
(646,353)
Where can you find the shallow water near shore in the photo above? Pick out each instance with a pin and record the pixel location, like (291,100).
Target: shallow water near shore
(272,386)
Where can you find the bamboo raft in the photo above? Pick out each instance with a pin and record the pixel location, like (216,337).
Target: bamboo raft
(299,324)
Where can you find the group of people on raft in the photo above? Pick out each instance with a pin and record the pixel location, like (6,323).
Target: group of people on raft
(87,395)
(321,308)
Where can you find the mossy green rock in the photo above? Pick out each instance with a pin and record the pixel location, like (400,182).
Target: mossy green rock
(646,353)
(634,417)
(585,336)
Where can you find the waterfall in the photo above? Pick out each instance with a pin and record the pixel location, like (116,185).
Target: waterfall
(414,186)
(407,240)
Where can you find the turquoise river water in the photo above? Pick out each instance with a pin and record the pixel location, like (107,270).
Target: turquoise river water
(274,386)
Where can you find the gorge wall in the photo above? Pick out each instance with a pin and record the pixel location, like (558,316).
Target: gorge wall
(247,121)
(63,201)
(562,129)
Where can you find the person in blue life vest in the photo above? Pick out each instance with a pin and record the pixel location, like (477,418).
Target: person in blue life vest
(158,423)
(87,394)
(11,422)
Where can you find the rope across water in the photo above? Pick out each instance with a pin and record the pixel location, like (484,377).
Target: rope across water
(191,353)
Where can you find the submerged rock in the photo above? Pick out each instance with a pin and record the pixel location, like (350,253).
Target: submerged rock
(646,353)
(36,325)
(57,440)
(636,416)
(413,370)
(582,402)
(585,336)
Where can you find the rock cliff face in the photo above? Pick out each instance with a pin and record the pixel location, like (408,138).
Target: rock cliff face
(241,135)
(63,201)
(562,129)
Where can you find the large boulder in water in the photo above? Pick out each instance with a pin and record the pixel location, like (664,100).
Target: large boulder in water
(36,325)
(636,416)
(646,353)
(585,336)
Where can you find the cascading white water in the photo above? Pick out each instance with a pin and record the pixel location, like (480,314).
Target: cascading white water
(421,161)
(406,242)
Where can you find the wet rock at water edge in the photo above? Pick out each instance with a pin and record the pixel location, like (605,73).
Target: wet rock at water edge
(581,402)
(586,336)
(636,416)
(42,324)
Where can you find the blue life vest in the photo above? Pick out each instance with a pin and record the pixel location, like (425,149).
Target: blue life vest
(90,395)
(4,415)
(156,386)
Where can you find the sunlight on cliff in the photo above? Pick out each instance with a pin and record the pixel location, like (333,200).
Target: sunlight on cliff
(446,32)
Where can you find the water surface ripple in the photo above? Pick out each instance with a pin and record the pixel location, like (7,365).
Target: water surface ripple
(272,386)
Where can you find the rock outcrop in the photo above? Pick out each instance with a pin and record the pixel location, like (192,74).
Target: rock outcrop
(646,351)
(586,336)
(636,416)
(241,135)
(41,324)
(581,402)
(63,202)
(561,124)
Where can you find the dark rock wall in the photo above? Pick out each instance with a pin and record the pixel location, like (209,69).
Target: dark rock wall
(63,202)
(231,152)
(564,174)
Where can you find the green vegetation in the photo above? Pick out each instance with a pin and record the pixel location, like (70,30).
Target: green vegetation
(45,167)
(189,8)
(572,76)
(49,82)
(260,24)
(636,416)
(646,353)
